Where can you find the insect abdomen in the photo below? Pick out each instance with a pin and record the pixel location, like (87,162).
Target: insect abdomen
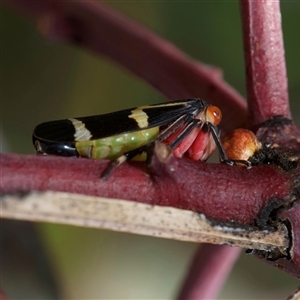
(114,146)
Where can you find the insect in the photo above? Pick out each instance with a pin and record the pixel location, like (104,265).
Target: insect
(188,126)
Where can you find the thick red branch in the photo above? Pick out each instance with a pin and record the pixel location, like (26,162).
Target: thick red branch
(97,27)
(265,62)
(219,191)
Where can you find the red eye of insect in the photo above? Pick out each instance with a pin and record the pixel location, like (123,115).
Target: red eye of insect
(214,115)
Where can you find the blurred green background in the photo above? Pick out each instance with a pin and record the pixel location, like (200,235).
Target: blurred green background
(43,81)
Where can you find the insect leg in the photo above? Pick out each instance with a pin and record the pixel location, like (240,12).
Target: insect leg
(126,156)
(149,146)
(214,131)
(187,130)
(171,128)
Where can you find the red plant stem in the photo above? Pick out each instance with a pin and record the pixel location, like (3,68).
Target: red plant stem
(170,184)
(265,62)
(97,27)
(208,271)
(228,194)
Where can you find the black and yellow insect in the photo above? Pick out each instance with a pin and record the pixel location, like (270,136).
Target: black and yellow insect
(187,126)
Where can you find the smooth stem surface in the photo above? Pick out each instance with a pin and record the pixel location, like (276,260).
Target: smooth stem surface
(265,61)
(208,271)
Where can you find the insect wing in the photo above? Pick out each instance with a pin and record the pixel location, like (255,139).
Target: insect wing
(124,121)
